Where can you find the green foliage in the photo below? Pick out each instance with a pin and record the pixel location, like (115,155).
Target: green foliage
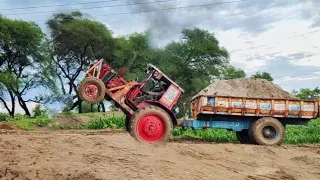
(193,62)
(262,75)
(103,123)
(21,60)
(87,107)
(38,111)
(77,42)
(303,134)
(4,117)
(231,72)
(216,135)
(308,94)
(133,52)
(42,121)
(26,123)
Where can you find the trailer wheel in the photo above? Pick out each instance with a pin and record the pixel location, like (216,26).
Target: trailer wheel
(151,125)
(92,90)
(267,131)
(244,137)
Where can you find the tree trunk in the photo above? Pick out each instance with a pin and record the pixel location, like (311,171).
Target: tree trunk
(13,107)
(11,112)
(24,106)
(80,106)
(91,106)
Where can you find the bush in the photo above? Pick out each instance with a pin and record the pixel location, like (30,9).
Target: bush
(42,121)
(4,117)
(109,122)
(303,134)
(27,123)
(40,112)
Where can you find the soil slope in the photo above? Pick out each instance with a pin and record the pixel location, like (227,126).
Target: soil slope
(116,155)
(244,87)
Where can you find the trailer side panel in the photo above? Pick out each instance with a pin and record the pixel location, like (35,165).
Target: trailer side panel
(238,106)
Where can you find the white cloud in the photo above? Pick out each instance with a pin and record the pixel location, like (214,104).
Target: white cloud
(285,38)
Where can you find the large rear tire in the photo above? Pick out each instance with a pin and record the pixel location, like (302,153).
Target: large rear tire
(92,90)
(151,125)
(267,131)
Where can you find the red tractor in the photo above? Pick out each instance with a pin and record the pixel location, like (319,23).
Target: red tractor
(148,104)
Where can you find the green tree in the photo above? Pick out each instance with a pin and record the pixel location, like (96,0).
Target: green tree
(133,53)
(193,62)
(24,66)
(231,72)
(262,75)
(307,94)
(76,43)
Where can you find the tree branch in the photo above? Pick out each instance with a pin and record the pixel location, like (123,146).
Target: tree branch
(5,105)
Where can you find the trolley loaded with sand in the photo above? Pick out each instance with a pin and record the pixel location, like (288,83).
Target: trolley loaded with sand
(257,109)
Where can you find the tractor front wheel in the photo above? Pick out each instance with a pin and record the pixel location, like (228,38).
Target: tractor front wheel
(151,125)
(92,90)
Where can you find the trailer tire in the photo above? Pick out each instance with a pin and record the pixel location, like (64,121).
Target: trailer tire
(91,84)
(267,131)
(244,137)
(151,125)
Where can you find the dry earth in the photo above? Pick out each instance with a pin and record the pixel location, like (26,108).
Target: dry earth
(116,155)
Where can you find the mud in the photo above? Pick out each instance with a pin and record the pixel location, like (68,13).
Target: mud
(116,155)
(6,126)
(244,87)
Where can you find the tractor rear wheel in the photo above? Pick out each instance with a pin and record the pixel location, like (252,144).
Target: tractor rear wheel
(151,125)
(92,90)
(267,131)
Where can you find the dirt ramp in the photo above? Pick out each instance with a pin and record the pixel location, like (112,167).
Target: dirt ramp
(245,87)
(57,155)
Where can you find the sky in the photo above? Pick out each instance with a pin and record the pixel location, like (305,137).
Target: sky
(280,37)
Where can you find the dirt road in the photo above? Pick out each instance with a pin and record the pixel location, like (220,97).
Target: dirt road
(116,155)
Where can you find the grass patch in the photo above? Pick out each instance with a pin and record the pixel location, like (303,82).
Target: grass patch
(28,123)
(303,134)
(105,123)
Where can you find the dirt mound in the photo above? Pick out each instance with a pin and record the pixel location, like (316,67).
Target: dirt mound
(56,155)
(6,126)
(244,87)
(64,120)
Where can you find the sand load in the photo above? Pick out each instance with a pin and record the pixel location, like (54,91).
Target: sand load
(245,87)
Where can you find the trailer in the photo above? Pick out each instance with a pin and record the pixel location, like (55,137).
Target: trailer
(256,120)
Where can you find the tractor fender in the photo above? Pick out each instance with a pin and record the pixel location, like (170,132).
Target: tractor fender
(147,103)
